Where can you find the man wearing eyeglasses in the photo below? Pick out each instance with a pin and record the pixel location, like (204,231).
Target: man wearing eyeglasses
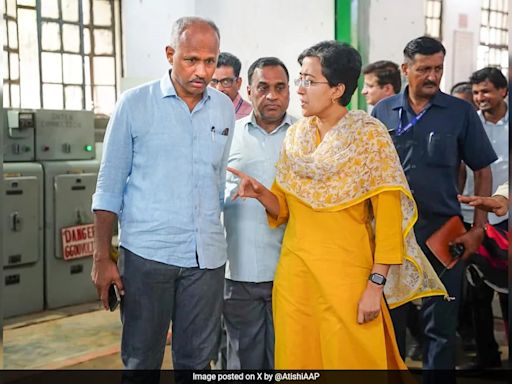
(227,80)
(253,247)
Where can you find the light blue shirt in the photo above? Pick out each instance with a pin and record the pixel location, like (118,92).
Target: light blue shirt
(498,136)
(163,173)
(253,247)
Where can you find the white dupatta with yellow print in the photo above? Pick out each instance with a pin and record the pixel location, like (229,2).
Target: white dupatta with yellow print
(355,161)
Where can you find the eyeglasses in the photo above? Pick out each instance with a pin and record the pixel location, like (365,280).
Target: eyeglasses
(226,82)
(304,83)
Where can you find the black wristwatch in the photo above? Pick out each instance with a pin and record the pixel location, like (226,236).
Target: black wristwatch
(377,278)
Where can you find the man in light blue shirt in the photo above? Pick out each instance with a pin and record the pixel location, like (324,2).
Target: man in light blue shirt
(163,176)
(254,248)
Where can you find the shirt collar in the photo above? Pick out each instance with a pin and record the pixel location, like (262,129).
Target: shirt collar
(167,87)
(502,121)
(287,121)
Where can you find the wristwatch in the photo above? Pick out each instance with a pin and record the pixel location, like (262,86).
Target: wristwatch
(377,278)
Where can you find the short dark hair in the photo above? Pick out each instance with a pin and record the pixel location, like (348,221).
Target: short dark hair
(266,62)
(229,60)
(386,72)
(494,75)
(341,64)
(462,87)
(424,45)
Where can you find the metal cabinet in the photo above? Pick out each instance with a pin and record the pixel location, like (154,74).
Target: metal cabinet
(64,135)
(69,186)
(22,236)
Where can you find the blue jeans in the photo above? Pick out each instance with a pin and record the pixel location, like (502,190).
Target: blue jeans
(155,294)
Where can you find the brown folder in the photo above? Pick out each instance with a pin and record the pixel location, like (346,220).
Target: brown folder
(440,240)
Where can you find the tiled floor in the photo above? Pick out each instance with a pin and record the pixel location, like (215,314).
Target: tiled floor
(87,337)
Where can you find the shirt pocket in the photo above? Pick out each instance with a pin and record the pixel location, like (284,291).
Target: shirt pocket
(216,148)
(441,149)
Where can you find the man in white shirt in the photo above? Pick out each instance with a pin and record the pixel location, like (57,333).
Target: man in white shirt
(490,89)
(254,248)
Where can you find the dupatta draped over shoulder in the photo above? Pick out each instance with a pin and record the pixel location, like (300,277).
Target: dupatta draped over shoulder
(355,161)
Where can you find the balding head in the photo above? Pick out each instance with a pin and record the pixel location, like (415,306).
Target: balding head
(181,26)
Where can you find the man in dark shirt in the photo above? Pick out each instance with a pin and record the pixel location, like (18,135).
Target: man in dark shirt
(432,133)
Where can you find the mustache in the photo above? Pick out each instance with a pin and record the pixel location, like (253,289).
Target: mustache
(201,79)
(430,83)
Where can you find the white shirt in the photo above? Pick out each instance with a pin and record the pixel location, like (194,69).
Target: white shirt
(498,136)
(253,247)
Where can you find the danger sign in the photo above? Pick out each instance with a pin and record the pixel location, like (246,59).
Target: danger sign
(77,241)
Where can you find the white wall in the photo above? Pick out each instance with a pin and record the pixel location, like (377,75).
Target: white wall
(249,29)
(146,32)
(392,24)
(461,41)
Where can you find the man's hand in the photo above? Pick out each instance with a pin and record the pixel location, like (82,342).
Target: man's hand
(496,204)
(104,272)
(471,240)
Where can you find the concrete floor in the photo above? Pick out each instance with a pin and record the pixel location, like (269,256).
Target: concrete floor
(87,337)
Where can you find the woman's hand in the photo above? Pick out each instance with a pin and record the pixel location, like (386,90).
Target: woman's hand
(369,304)
(248,186)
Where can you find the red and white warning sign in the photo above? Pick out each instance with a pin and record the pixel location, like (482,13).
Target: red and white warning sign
(77,241)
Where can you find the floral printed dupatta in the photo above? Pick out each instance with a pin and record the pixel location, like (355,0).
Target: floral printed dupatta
(355,161)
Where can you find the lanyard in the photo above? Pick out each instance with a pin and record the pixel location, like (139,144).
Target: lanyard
(239,105)
(400,130)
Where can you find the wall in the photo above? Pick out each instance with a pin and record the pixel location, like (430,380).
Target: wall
(392,24)
(389,31)
(461,34)
(279,28)
(146,31)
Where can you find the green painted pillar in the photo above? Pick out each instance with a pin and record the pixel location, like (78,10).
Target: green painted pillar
(350,26)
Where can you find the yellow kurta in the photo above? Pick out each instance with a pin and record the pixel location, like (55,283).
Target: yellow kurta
(325,262)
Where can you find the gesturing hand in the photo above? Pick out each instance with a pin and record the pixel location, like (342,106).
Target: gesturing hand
(497,204)
(248,187)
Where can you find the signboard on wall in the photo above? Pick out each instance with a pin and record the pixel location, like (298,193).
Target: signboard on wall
(77,241)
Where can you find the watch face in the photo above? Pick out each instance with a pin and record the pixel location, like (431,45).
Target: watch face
(377,279)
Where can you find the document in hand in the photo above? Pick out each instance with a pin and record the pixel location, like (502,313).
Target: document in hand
(440,241)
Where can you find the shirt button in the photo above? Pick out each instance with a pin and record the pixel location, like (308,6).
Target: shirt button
(413,166)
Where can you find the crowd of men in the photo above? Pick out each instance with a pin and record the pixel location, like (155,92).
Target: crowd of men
(190,267)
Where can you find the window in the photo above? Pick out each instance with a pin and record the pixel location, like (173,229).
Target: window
(62,54)
(433,18)
(493,48)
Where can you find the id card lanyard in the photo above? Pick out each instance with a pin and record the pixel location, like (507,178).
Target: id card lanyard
(401,130)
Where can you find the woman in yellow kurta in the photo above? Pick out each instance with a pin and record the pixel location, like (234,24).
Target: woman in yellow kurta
(340,187)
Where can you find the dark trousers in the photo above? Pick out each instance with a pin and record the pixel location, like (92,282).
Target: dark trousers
(406,316)
(155,294)
(438,316)
(481,304)
(486,345)
(249,325)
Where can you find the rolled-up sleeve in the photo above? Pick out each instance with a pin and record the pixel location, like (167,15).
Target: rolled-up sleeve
(389,243)
(282,218)
(116,163)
